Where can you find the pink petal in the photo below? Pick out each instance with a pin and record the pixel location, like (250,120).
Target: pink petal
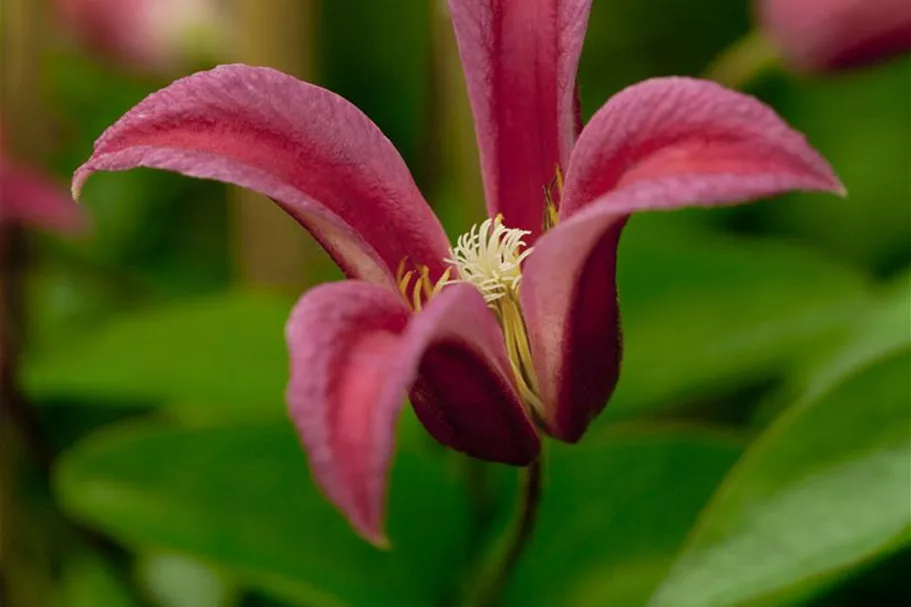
(569,300)
(672,142)
(661,144)
(354,356)
(319,157)
(520,59)
(30,198)
(819,35)
(464,394)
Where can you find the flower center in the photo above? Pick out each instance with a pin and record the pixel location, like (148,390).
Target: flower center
(490,257)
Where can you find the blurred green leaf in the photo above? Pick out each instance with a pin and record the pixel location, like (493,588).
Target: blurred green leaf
(823,489)
(860,122)
(173,580)
(703,312)
(630,40)
(87,580)
(880,329)
(606,534)
(212,358)
(240,498)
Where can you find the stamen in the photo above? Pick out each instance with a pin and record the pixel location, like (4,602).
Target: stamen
(416,286)
(551,213)
(490,257)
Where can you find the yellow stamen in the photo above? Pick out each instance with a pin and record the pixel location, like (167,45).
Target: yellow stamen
(551,214)
(416,286)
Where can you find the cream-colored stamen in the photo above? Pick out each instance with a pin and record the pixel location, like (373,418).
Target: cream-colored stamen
(490,257)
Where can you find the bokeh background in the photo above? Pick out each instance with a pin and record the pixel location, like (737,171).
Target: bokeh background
(756,451)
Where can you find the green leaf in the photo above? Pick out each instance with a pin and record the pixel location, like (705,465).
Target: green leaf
(703,312)
(614,513)
(240,498)
(87,580)
(879,330)
(176,581)
(884,330)
(860,122)
(213,358)
(824,488)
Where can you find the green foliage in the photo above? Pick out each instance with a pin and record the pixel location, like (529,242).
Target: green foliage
(860,122)
(87,580)
(825,487)
(703,312)
(240,497)
(607,534)
(213,359)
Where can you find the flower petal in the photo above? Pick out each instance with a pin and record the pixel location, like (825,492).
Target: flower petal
(464,393)
(319,157)
(30,198)
(672,142)
(569,300)
(520,59)
(821,36)
(660,144)
(354,355)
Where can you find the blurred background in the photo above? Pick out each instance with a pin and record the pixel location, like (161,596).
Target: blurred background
(756,451)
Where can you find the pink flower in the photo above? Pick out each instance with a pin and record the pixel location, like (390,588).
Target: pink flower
(514,331)
(154,35)
(27,197)
(821,35)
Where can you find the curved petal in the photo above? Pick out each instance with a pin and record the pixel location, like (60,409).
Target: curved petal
(661,144)
(464,393)
(520,59)
(569,300)
(30,198)
(821,36)
(354,356)
(319,157)
(672,142)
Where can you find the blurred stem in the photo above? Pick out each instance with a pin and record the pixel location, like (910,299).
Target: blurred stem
(269,248)
(487,588)
(25,547)
(744,61)
(477,479)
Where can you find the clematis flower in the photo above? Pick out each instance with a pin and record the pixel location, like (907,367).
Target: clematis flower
(512,333)
(824,35)
(151,35)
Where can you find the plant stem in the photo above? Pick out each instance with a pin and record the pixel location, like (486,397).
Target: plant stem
(743,62)
(487,587)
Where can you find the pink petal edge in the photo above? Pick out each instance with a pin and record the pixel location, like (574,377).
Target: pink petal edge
(319,157)
(673,142)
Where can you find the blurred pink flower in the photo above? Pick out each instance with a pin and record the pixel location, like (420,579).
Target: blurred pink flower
(30,198)
(154,35)
(512,332)
(820,35)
